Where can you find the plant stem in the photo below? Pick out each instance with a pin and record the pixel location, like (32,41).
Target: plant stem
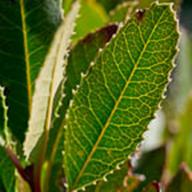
(25,173)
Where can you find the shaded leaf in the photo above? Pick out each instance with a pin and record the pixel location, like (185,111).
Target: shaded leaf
(152,171)
(48,82)
(27,27)
(118,96)
(7,173)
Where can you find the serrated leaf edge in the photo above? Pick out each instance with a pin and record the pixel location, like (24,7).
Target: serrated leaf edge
(7,140)
(159,106)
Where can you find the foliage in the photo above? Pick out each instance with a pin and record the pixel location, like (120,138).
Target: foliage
(79,83)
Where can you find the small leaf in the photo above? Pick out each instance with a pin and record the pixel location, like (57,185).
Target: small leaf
(118,97)
(48,81)
(27,28)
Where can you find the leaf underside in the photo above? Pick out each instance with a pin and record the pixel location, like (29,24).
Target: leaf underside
(118,97)
(48,82)
(27,27)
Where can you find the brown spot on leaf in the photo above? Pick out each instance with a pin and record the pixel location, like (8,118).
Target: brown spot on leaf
(109,31)
(140,14)
(106,32)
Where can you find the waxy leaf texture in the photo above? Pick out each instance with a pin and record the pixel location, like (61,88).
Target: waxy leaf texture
(118,96)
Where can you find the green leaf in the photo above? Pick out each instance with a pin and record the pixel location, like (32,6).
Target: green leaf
(48,82)
(90,11)
(118,96)
(108,4)
(27,27)
(152,171)
(81,56)
(7,173)
(121,180)
(123,11)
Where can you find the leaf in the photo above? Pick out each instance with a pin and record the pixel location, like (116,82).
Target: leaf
(27,27)
(108,4)
(90,11)
(81,56)
(7,173)
(152,171)
(118,97)
(47,83)
(123,11)
(122,180)
(114,183)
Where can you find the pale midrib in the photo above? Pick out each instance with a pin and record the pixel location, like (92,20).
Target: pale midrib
(116,104)
(26,53)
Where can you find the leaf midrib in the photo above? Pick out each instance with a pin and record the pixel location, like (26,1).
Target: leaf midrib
(117,103)
(26,53)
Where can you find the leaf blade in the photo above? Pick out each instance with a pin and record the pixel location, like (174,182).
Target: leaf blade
(48,81)
(22,51)
(93,128)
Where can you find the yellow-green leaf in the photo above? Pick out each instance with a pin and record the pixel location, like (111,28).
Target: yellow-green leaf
(118,96)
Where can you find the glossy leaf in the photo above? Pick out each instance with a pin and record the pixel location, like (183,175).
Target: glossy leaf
(118,96)
(48,82)
(27,27)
